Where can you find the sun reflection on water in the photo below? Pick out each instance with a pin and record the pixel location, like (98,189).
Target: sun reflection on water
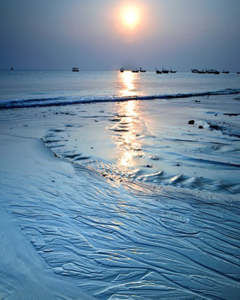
(127,81)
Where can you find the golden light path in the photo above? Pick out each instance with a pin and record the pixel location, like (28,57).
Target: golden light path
(128,127)
(128,140)
(127,81)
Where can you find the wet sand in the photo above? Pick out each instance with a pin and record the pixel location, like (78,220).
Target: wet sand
(121,200)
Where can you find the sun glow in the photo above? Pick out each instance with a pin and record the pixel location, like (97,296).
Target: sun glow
(130,17)
(133,19)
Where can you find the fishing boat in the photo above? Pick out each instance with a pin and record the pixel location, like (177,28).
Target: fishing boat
(75,69)
(202,72)
(225,72)
(122,70)
(158,72)
(171,71)
(135,71)
(142,71)
(165,71)
(212,71)
(194,70)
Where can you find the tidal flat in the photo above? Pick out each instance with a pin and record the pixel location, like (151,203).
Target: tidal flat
(122,200)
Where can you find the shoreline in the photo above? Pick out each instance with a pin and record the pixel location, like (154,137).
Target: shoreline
(64,101)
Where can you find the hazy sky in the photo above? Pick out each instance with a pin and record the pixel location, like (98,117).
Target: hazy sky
(94,34)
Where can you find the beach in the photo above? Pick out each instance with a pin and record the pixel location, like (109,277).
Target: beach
(119,150)
(129,199)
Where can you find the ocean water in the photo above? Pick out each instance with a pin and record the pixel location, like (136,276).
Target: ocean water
(148,207)
(31,88)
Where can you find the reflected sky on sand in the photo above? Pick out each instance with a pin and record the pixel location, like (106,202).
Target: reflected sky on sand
(128,126)
(127,131)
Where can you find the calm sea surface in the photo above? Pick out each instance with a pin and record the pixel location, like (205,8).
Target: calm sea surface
(56,87)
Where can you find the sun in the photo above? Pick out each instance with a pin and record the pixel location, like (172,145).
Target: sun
(130,17)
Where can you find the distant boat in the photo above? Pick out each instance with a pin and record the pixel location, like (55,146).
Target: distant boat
(194,70)
(212,71)
(238,73)
(225,72)
(75,70)
(171,71)
(122,70)
(158,72)
(202,72)
(135,71)
(142,71)
(165,71)
(11,69)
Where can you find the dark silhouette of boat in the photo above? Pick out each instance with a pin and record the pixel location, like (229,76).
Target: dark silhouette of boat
(208,71)
(212,71)
(202,72)
(165,71)
(142,71)
(238,73)
(158,72)
(135,71)
(225,72)
(171,71)
(11,69)
(194,70)
(75,69)
(122,70)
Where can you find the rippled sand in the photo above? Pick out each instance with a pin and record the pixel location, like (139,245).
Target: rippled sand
(121,201)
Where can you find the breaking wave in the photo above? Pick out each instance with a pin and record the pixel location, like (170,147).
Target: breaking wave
(61,101)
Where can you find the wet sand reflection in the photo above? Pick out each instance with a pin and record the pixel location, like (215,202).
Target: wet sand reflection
(127,130)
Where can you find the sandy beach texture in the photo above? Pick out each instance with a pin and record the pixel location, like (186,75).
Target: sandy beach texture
(131,200)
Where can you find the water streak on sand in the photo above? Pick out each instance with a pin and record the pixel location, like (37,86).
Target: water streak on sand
(137,154)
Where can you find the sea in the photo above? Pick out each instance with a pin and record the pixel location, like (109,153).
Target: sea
(45,88)
(150,208)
